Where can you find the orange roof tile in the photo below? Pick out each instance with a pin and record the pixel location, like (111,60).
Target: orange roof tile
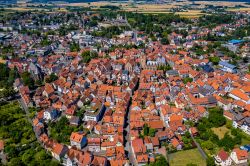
(76,136)
(57,148)
(241,154)
(175,142)
(240,94)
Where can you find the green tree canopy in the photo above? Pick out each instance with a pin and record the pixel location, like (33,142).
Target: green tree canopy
(88,55)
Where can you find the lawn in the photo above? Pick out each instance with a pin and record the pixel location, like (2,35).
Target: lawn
(182,158)
(220,131)
(245,139)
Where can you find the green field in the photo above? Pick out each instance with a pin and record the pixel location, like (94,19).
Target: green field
(182,158)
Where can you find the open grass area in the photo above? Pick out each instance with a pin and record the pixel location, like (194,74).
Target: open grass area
(220,131)
(245,139)
(182,158)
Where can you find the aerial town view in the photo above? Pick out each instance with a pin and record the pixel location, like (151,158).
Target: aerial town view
(124,83)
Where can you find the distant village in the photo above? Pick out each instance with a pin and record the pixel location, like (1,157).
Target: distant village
(127,104)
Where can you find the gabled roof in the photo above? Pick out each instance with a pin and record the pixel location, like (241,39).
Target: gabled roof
(77,136)
(223,155)
(240,94)
(99,161)
(175,142)
(241,154)
(58,148)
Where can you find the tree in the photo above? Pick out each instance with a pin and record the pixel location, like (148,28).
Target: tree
(151,132)
(160,160)
(80,113)
(41,155)
(201,127)
(38,82)
(216,117)
(229,124)
(205,136)
(21,146)
(7,76)
(28,156)
(208,145)
(61,130)
(145,130)
(4,71)
(214,138)
(210,161)
(164,67)
(238,139)
(165,34)
(153,38)
(88,55)
(7,93)
(187,134)
(11,151)
(15,162)
(188,79)
(215,60)
(74,47)
(27,79)
(92,23)
(52,77)
(227,142)
(164,41)
(45,42)
(53,163)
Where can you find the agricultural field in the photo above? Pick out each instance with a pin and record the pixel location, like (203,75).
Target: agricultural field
(149,8)
(191,14)
(164,8)
(23,9)
(247,9)
(182,158)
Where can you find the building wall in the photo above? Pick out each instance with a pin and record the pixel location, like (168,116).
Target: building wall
(235,159)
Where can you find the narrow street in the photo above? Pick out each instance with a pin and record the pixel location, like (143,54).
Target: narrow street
(203,154)
(128,147)
(25,108)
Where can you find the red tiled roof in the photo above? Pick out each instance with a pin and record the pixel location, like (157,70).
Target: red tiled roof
(223,155)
